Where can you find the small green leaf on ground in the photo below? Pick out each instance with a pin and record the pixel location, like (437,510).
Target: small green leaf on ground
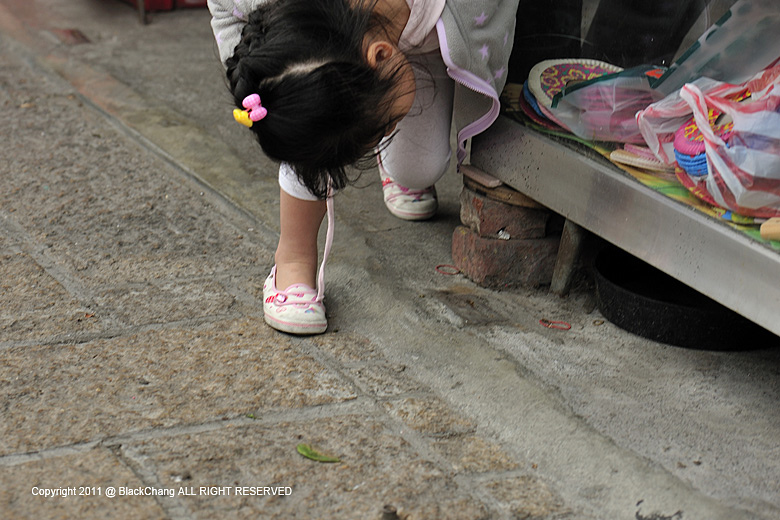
(310,453)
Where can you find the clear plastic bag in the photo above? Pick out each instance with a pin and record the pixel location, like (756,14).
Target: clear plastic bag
(659,122)
(743,42)
(604,108)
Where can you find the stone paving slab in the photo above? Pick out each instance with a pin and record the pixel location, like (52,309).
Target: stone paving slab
(474,454)
(169,301)
(67,394)
(429,416)
(34,305)
(378,467)
(62,194)
(21,487)
(527,497)
(383,380)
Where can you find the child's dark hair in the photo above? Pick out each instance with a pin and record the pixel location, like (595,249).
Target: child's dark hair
(327,108)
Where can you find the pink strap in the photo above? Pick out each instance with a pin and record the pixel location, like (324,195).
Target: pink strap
(328,243)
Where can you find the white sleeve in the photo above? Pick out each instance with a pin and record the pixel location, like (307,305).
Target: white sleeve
(291,185)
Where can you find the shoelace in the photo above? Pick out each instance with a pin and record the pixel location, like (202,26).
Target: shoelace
(328,243)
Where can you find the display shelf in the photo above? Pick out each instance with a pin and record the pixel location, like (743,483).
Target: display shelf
(701,251)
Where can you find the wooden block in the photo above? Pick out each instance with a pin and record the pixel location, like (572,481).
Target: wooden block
(480,177)
(503,194)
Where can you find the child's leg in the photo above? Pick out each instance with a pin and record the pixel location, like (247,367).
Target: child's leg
(419,153)
(288,305)
(296,254)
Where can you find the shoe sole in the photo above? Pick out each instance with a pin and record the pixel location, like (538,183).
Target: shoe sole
(412,216)
(295,328)
(403,215)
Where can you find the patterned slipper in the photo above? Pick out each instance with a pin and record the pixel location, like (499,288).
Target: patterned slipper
(638,159)
(548,78)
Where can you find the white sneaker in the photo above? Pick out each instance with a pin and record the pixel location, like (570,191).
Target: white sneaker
(296,310)
(406,203)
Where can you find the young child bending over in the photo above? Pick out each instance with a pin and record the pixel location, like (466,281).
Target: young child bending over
(325,83)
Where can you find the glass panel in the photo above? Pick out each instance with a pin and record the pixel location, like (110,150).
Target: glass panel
(621,32)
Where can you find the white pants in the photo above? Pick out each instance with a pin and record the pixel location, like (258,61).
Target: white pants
(419,153)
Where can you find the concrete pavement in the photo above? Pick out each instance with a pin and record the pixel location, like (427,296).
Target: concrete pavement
(137,223)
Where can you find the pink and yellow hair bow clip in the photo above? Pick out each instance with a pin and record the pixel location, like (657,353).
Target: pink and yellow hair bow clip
(253,112)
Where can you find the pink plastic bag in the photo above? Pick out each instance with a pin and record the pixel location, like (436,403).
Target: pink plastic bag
(659,122)
(744,176)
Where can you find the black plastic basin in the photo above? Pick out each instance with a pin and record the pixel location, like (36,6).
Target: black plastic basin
(647,302)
